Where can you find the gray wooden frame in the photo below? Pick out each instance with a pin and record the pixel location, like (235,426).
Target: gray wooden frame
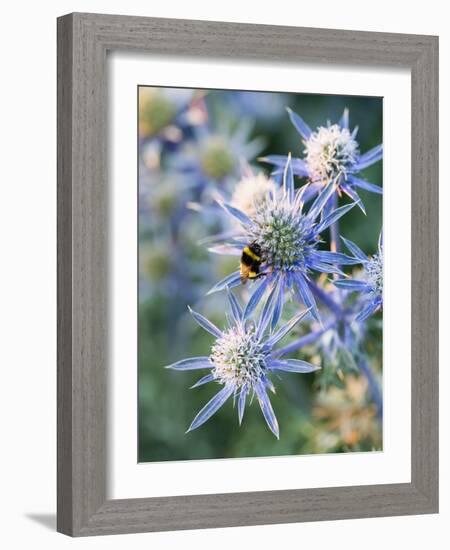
(83,41)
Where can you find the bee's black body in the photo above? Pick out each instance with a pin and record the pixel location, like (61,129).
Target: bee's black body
(251,262)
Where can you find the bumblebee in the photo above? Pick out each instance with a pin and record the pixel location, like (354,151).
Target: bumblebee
(251,262)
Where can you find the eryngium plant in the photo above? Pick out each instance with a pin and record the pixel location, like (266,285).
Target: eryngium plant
(289,240)
(331,153)
(290,220)
(371,282)
(242,360)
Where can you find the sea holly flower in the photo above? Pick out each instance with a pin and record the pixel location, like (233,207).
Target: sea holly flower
(371,283)
(215,153)
(251,190)
(244,194)
(156,111)
(167,114)
(288,239)
(331,153)
(242,360)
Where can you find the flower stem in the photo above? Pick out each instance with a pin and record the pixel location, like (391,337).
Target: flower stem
(309,338)
(333,306)
(374,387)
(335,244)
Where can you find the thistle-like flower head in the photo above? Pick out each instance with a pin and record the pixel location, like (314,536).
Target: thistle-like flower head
(331,153)
(283,233)
(251,190)
(373,270)
(242,359)
(156,111)
(371,282)
(214,158)
(238,357)
(288,238)
(165,113)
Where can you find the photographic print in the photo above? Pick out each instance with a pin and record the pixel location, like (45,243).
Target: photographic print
(260,274)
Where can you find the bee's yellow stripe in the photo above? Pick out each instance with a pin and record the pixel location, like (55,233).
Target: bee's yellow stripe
(252,255)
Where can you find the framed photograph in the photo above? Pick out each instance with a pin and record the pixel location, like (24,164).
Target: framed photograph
(247,274)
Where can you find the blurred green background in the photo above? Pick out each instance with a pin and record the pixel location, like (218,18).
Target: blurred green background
(175,271)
